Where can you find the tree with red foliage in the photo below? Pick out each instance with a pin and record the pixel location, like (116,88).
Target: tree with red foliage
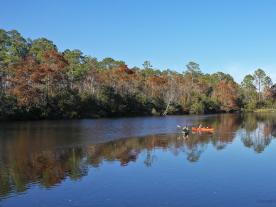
(226,94)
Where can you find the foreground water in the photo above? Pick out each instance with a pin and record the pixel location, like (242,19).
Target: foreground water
(139,162)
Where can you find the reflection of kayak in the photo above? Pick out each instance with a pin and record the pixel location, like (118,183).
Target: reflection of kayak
(202,129)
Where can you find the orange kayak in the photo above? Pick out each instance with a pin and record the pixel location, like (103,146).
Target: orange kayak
(202,129)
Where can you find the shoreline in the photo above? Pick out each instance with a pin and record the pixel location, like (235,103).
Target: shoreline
(264,111)
(134,116)
(114,117)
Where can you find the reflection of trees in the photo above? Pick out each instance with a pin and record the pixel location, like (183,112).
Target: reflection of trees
(256,140)
(249,122)
(226,125)
(259,130)
(47,168)
(50,166)
(195,145)
(194,153)
(150,157)
(5,185)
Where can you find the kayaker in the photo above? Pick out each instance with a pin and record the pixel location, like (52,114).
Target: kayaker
(185,129)
(200,126)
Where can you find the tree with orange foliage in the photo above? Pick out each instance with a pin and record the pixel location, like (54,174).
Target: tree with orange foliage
(226,94)
(35,75)
(34,82)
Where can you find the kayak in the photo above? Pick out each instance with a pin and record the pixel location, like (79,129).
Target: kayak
(202,129)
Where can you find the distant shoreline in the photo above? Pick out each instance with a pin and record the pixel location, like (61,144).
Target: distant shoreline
(116,117)
(268,110)
(265,111)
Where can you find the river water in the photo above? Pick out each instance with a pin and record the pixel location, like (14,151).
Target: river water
(142,161)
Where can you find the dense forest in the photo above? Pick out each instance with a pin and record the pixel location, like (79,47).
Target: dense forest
(37,81)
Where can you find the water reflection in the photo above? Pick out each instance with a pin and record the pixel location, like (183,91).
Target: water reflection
(25,161)
(258,131)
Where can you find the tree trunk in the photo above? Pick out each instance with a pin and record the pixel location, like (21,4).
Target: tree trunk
(167,107)
(259,90)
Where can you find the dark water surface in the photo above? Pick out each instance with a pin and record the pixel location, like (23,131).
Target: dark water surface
(139,162)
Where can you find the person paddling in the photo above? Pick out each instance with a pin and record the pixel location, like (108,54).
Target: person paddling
(185,129)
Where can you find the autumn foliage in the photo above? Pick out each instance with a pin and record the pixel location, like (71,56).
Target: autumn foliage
(38,81)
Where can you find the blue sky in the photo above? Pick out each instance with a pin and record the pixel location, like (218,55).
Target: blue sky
(233,36)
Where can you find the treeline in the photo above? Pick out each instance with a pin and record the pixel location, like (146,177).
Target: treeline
(37,81)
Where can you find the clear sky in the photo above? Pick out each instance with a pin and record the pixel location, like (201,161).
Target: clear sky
(233,36)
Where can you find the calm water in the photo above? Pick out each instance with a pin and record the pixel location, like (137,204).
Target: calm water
(139,162)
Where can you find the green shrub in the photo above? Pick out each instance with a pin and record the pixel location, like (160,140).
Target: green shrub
(197,108)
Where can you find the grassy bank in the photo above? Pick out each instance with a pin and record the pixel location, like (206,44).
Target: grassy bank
(265,110)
